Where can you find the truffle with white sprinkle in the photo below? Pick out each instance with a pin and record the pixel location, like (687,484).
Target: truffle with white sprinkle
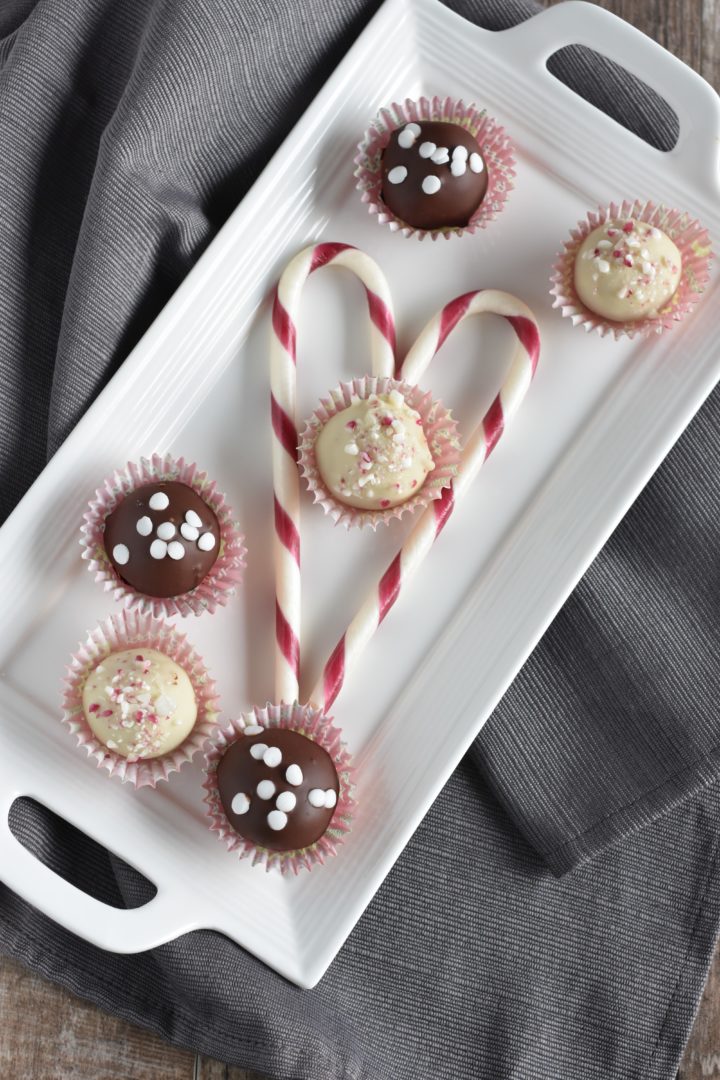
(278,788)
(162,539)
(434,175)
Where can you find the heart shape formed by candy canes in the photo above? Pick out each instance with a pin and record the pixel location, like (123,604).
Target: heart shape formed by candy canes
(283,377)
(476,451)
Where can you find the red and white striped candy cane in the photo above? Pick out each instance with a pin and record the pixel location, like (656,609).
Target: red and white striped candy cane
(475,452)
(283,383)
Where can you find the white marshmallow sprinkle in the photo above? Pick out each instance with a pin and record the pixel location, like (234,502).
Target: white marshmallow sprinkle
(272,757)
(121,554)
(240,804)
(294,775)
(431,185)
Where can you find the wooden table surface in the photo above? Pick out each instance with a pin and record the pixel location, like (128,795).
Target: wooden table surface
(47,1033)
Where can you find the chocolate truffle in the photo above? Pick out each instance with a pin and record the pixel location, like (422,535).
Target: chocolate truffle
(627,270)
(139,703)
(162,539)
(278,788)
(433,175)
(374,454)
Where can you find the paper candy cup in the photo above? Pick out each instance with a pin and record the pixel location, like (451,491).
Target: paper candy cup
(308,721)
(495,145)
(691,239)
(226,573)
(133,630)
(440,431)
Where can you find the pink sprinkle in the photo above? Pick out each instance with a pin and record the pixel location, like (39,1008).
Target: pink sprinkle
(107,712)
(386,421)
(352,424)
(414,483)
(419,421)
(384,503)
(139,657)
(612,232)
(596,251)
(93,708)
(617,254)
(628,226)
(138,714)
(628,260)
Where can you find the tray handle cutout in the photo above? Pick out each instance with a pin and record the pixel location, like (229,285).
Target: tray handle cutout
(113,929)
(696,154)
(77,857)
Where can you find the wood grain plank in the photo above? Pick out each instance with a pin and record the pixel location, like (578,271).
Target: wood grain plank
(207,1069)
(710,43)
(702,1053)
(47,1033)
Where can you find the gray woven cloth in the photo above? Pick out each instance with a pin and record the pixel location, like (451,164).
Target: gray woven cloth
(128,132)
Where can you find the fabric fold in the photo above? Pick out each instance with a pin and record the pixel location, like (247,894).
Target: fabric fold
(614,719)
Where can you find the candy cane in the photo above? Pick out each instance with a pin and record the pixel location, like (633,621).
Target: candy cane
(283,383)
(475,452)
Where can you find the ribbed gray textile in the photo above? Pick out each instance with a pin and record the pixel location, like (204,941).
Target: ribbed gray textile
(128,131)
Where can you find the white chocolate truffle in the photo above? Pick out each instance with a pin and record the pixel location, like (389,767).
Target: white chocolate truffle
(374,454)
(627,270)
(139,703)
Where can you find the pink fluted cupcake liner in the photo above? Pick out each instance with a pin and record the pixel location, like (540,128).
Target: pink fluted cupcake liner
(689,236)
(495,145)
(135,630)
(226,573)
(440,431)
(313,723)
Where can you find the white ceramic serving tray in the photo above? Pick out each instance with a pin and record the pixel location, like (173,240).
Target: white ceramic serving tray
(597,422)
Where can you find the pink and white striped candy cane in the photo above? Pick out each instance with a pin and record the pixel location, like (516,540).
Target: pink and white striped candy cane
(283,383)
(475,452)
